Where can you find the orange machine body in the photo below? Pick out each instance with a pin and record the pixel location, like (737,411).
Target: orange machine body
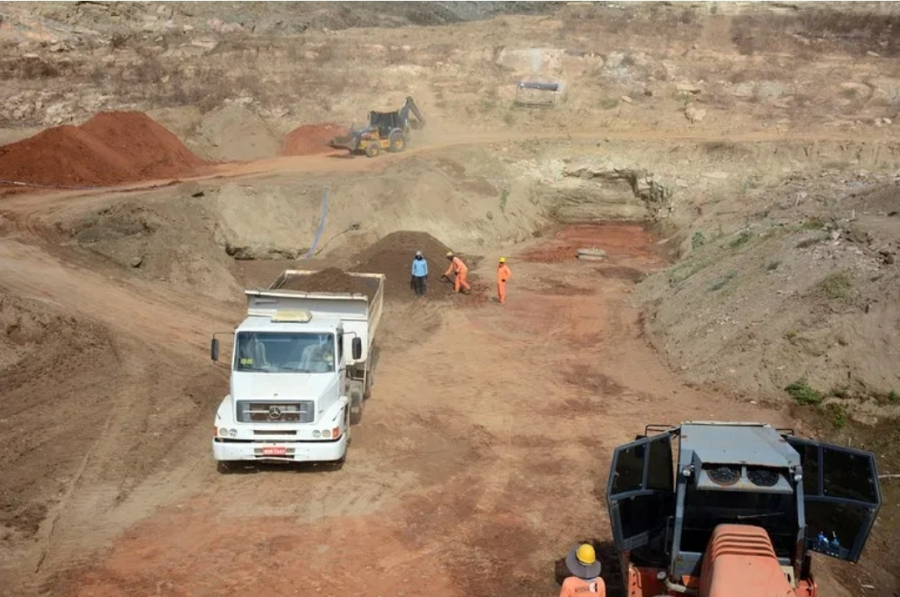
(739,562)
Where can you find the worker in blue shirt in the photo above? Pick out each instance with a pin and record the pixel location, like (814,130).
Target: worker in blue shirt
(419,273)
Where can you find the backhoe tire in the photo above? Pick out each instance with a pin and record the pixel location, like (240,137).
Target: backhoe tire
(372,149)
(398,142)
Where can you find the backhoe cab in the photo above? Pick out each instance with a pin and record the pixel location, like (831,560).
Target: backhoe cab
(386,131)
(737,510)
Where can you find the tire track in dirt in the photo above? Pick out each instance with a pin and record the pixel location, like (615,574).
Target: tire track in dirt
(120,480)
(45,537)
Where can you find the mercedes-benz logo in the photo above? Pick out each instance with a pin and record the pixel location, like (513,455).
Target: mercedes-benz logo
(274,412)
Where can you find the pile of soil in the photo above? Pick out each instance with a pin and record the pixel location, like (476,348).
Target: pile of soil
(109,149)
(310,139)
(235,133)
(393,254)
(330,279)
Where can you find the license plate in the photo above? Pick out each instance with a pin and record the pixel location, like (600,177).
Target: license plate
(274,451)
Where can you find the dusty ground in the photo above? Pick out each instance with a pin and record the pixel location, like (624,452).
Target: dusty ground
(756,143)
(432,475)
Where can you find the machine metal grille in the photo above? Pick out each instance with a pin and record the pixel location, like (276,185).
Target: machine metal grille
(276,412)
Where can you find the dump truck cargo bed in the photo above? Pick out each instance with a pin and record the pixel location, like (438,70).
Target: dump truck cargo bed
(359,311)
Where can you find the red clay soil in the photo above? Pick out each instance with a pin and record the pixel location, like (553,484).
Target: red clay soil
(330,279)
(111,148)
(392,256)
(310,139)
(551,254)
(617,239)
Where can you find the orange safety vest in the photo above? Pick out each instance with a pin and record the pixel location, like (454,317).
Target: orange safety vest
(577,587)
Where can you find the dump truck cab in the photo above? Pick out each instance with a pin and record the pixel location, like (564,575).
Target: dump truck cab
(287,399)
(301,368)
(736,508)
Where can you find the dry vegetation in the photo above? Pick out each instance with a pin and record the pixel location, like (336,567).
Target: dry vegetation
(814,32)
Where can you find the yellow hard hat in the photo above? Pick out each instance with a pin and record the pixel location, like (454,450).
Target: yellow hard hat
(586,554)
(449,253)
(503,260)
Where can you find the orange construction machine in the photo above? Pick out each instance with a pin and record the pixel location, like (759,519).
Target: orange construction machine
(735,511)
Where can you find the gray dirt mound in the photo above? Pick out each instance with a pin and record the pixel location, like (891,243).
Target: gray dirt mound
(330,279)
(393,254)
(236,133)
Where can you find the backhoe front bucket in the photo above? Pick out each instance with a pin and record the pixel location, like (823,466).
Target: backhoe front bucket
(348,142)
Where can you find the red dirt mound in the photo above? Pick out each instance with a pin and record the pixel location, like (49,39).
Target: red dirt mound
(109,149)
(310,139)
(153,151)
(330,279)
(393,254)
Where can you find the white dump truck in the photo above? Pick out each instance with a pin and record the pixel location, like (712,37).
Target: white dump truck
(301,369)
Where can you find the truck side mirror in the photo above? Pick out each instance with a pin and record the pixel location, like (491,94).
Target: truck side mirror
(357,348)
(214,349)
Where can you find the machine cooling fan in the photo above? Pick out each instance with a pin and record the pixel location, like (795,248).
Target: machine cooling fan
(724,475)
(762,477)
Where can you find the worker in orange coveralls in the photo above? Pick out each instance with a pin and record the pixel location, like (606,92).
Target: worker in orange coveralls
(503,274)
(457,265)
(585,569)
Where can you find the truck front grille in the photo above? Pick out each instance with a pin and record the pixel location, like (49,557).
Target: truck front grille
(276,412)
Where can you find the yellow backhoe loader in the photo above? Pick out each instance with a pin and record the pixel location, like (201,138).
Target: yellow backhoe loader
(386,131)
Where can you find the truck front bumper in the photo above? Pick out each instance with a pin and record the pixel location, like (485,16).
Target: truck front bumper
(309,451)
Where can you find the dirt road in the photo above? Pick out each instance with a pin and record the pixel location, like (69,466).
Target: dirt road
(460,472)
(431,141)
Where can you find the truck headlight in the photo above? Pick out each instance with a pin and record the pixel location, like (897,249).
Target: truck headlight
(225,432)
(316,434)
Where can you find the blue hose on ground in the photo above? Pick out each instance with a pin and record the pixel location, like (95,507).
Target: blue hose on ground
(312,249)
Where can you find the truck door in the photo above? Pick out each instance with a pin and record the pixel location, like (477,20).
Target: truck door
(841,497)
(640,490)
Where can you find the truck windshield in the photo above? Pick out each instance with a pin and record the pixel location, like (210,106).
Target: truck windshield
(285,352)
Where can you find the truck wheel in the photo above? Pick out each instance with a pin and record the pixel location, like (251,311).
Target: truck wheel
(356,417)
(370,375)
(225,467)
(398,142)
(357,402)
(372,149)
